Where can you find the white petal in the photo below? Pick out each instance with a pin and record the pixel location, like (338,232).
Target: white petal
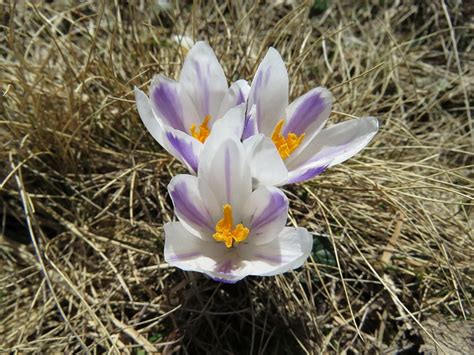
(266,165)
(188,252)
(223,167)
(308,113)
(237,94)
(179,144)
(336,144)
(183,147)
(305,173)
(189,207)
(286,252)
(269,92)
(151,122)
(265,214)
(204,80)
(166,102)
(232,124)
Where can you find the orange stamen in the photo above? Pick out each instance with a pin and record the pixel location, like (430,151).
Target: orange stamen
(203,132)
(225,233)
(285,145)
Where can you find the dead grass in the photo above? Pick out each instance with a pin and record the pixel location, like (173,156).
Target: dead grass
(83,186)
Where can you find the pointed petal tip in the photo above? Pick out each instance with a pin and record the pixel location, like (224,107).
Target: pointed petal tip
(326,93)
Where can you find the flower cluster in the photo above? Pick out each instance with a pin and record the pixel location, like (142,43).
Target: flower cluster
(239,143)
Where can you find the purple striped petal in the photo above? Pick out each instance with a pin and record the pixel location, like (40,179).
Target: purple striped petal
(189,206)
(203,79)
(269,92)
(265,214)
(287,251)
(186,148)
(308,113)
(224,167)
(249,126)
(202,74)
(184,256)
(335,144)
(224,267)
(186,251)
(275,207)
(301,175)
(164,95)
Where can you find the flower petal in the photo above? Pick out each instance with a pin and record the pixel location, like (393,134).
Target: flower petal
(180,145)
(304,174)
(203,79)
(250,125)
(232,124)
(308,113)
(265,214)
(188,252)
(266,165)
(223,166)
(335,144)
(237,94)
(190,207)
(286,252)
(149,119)
(184,147)
(269,92)
(165,100)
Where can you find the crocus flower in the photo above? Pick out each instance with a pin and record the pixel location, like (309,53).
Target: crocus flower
(296,129)
(226,229)
(180,114)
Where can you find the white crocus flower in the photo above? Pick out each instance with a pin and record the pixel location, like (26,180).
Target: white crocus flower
(180,114)
(226,229)
(296,129)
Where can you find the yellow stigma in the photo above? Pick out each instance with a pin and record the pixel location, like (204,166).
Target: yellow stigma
(285,145)
(225,233)
(203,132)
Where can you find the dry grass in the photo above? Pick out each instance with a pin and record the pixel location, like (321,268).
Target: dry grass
(83,186)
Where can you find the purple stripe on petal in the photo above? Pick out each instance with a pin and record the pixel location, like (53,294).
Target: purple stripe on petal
(185,206)
(249,127)
(183,256)
(307,174)
(204,85)
(228,175)
(240,97)
(275,207)
(331,152)
(166,100)
(224,267)
(257,88)
(306,113)
(224,281)
(184,149)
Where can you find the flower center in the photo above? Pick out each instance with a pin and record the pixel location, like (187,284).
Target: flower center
(285,145)
(224,232)
(203,131)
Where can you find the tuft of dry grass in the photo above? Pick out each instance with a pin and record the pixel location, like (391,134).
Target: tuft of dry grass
(83,185)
